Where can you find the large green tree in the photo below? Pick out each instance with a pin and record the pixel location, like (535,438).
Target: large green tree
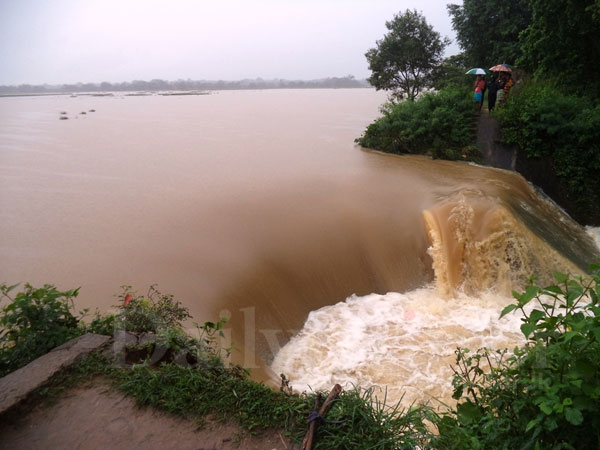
(563,41)
(488,30)
(404,61)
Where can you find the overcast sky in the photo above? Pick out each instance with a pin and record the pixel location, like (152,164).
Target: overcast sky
(68,41)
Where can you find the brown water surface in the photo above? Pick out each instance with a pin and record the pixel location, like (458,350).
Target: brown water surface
(180,191)
(256,205)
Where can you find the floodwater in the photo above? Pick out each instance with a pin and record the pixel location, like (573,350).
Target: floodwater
(257,206)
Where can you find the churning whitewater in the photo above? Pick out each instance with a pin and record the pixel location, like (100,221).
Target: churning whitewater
(400,342)
(404,343)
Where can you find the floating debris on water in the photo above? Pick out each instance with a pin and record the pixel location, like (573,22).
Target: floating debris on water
(183,93)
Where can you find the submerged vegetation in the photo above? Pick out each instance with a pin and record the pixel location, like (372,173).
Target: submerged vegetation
(544,394)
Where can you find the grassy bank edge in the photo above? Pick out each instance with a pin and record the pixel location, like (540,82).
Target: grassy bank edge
(357,420)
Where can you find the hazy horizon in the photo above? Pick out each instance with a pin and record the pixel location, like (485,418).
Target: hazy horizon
(67,42)
(147,80)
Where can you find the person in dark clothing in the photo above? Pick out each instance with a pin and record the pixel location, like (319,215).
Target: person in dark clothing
(500,93)
(492,88)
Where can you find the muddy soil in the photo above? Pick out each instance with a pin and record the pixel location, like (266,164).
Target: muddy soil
(96,417)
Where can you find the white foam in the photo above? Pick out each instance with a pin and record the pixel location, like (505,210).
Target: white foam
(594,232)
(402,342)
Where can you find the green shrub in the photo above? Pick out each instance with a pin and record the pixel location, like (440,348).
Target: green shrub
(437,124)
(545,394)
(33,323)
(565,130)
(103,324)
(151,312)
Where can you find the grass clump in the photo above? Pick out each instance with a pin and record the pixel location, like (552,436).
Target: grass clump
(356,420)
(359,419)
(226,393)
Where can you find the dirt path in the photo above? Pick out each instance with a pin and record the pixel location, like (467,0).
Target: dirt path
(98,417)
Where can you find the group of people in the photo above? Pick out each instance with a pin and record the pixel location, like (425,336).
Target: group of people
(498,90)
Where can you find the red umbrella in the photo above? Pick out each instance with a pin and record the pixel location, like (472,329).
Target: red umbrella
(501,68)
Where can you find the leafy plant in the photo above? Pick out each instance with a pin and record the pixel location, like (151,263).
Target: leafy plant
(151,312)
(159,317)
(561,41)
(33,322)
(546,393)
(102,324)
(209,334)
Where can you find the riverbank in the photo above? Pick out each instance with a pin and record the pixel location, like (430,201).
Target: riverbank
(94,415)
(170,407)
(501,395)
(143,352)
(68,399)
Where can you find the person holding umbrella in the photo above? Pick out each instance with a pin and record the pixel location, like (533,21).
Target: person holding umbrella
(504,82)
(479,91)
(507,85)
(492,88)
(479,86)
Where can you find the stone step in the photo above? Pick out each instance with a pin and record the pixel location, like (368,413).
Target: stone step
(17,385)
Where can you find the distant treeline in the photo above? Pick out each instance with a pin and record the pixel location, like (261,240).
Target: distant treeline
(186,85)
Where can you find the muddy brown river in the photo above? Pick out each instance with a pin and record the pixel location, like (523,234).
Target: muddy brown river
(333,263)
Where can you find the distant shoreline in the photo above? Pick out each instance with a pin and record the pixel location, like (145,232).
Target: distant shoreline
(162,93)
(34,95)
(181,86)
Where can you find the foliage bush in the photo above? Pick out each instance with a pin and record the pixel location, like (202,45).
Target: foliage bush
(159,316)
(437,124)
(545,394)
(103,324)
(546,123)
(34,322)
(150,313)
